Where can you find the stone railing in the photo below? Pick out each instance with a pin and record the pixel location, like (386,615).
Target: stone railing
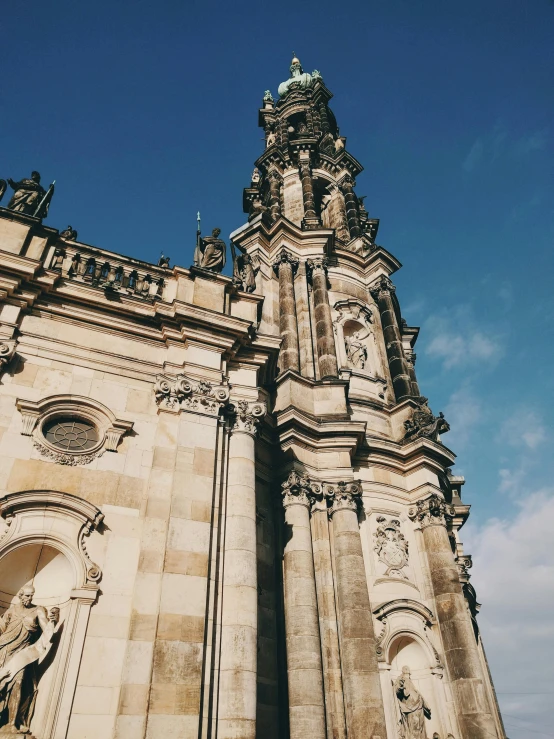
(108,272)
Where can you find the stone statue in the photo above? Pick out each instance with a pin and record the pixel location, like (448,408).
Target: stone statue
(210,252)
(271,139)
(424,423)
(245,274)
(26,634)
(163,261)
(268,97)
(413,709)
(69,234)
(356,350)
(256,176)
(28,195)
(3,188)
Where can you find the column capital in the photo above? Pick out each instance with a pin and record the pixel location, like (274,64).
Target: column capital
(299,489)
(274,174)
(382,288)
(285,257)
(347,182)
(317,264)
(245,416)
(433,511)
(343,496)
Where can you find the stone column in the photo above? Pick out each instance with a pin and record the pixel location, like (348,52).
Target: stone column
(310,219)
(363,702)
(401,381)
(289,354)
(325,340)
(305,672)
(410,363)
(351,204)
(468,682)
(330,652)
(239,615)
(274,193)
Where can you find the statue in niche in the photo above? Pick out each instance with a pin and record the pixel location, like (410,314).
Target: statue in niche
(391,547)
(28,194)
(210,252)
(26,635)
(69,234)
(271,138)
(413,708)
(356,350)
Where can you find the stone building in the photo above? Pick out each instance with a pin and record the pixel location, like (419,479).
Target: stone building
(227,511)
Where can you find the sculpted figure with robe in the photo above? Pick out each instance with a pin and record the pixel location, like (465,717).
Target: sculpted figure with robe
(210,252)
(26,633)
(413,708)
(28,194)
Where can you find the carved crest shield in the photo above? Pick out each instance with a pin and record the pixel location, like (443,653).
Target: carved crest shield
(391,547)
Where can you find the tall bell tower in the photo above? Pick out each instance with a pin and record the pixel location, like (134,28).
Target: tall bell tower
(380,637)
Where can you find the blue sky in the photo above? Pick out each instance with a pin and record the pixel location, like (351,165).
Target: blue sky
(146,112)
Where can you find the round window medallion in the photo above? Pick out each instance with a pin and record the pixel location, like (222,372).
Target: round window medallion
(70,434)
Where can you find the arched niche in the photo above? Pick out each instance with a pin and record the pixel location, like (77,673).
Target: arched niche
(44,544)
(407,638)
(357,350)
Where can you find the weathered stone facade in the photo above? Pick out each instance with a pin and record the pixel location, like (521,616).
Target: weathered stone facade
(238,501)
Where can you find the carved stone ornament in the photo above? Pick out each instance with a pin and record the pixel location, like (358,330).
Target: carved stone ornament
(382,288)
(343,496)
(106,429)
(299,489)
(391,546)
(285,257)
(318,264)
(182,393)
(245,416)
(7,350)
(424,424)
(432,511)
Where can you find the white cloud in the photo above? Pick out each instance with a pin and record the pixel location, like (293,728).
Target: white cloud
(474,156)
(458,349)
(514,579)
(464,412)
(498,143)
(523,428)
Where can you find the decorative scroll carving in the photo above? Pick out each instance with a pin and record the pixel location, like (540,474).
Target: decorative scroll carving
(424,424)
(381,657)
(391,547)
(299,489)
(245,416)
(413,708)
(343,496)
(72,460)
(432,511)
(182,393)
(19,650)
(7,350)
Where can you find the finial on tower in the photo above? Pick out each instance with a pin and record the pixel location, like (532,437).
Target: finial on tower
(295,59)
